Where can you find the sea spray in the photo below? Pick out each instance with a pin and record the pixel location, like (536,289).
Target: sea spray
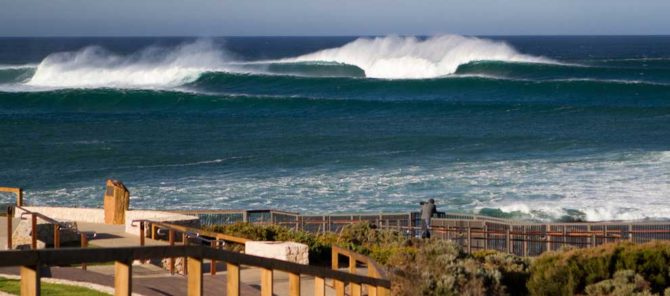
(94,66)
(396,57)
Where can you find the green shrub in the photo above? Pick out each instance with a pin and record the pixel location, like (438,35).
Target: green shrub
(624,283)
(439,267)
(570,272)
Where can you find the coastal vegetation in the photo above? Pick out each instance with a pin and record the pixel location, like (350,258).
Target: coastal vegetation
(440,267)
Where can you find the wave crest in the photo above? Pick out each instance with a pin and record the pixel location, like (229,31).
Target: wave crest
(396,57)
(94,66)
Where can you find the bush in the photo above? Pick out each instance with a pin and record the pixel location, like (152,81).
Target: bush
(439,267)
(625,282)
(570,272)
(319,244)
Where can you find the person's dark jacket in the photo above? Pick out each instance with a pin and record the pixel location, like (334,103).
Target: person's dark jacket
(428,210)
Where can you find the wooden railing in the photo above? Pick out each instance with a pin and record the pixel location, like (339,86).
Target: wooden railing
(217,240)
(373,270)
(31,260)
(57,225)
(17,191)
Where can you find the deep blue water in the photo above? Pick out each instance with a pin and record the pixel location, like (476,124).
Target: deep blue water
(532,126)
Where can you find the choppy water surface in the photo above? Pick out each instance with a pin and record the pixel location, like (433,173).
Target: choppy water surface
(541,127)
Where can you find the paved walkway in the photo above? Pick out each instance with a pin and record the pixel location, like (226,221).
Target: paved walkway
(150,279)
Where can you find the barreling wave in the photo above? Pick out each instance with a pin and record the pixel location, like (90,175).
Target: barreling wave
(413,58)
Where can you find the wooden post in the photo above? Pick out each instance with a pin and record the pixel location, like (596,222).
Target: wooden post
(508,242)
(30,280)
(293,284)
(212,262)
(382,291)
(171,242)
(267,282)
(33,235)
(184,238)
(469,239)
(593,240)
(486,237)
(335,260)
(142,234)
(84,244)
(56,236)
(9,228)
(548,230)
(356,289)
(525,241)
(194,276)
(123,278)
(339,288)
(19,197)
(153,231)
(320,287)
(233,279)
(372,272)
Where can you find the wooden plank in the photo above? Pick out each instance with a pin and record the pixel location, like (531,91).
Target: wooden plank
(320,286)
(83,238)
(356,289)
(339,288)
(56,236)
(9,228)
(293,284)
(171,242)
(267,282)
(233,279)
(194,276)
(33,231)
(383,291)
(30,280)
(123,278)
(212,263)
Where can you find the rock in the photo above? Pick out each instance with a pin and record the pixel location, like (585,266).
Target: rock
(22,235)
(287,251)
(178,264)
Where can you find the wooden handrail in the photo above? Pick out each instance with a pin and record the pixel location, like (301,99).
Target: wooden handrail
(15,190)
(30,260)
(200,232)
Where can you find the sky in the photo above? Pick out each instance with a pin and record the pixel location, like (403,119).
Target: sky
(332,17)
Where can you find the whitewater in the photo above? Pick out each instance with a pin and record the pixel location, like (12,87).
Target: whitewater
(391,57)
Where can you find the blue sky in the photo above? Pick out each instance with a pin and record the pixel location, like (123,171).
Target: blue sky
(331,17)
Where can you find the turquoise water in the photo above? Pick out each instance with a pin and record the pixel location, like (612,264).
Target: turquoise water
(539,127)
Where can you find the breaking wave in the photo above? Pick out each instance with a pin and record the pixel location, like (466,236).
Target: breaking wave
(94,66)
(396,57)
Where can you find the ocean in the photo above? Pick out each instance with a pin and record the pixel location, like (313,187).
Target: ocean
(545,128)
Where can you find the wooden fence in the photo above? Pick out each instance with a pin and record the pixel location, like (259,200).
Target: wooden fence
(30,262)
(472,232)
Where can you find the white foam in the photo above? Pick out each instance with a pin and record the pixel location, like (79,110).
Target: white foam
(152,67)
(17,67)
(413,58)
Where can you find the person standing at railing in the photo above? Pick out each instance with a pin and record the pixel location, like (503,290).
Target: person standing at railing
(428,209)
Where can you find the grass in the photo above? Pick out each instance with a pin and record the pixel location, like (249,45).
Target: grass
(13,287)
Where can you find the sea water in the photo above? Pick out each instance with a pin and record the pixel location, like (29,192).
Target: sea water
(532,127)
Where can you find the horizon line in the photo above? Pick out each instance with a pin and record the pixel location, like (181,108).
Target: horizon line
(334,36)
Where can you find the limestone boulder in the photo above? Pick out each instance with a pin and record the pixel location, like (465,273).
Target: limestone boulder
(22,235)
(287,251)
